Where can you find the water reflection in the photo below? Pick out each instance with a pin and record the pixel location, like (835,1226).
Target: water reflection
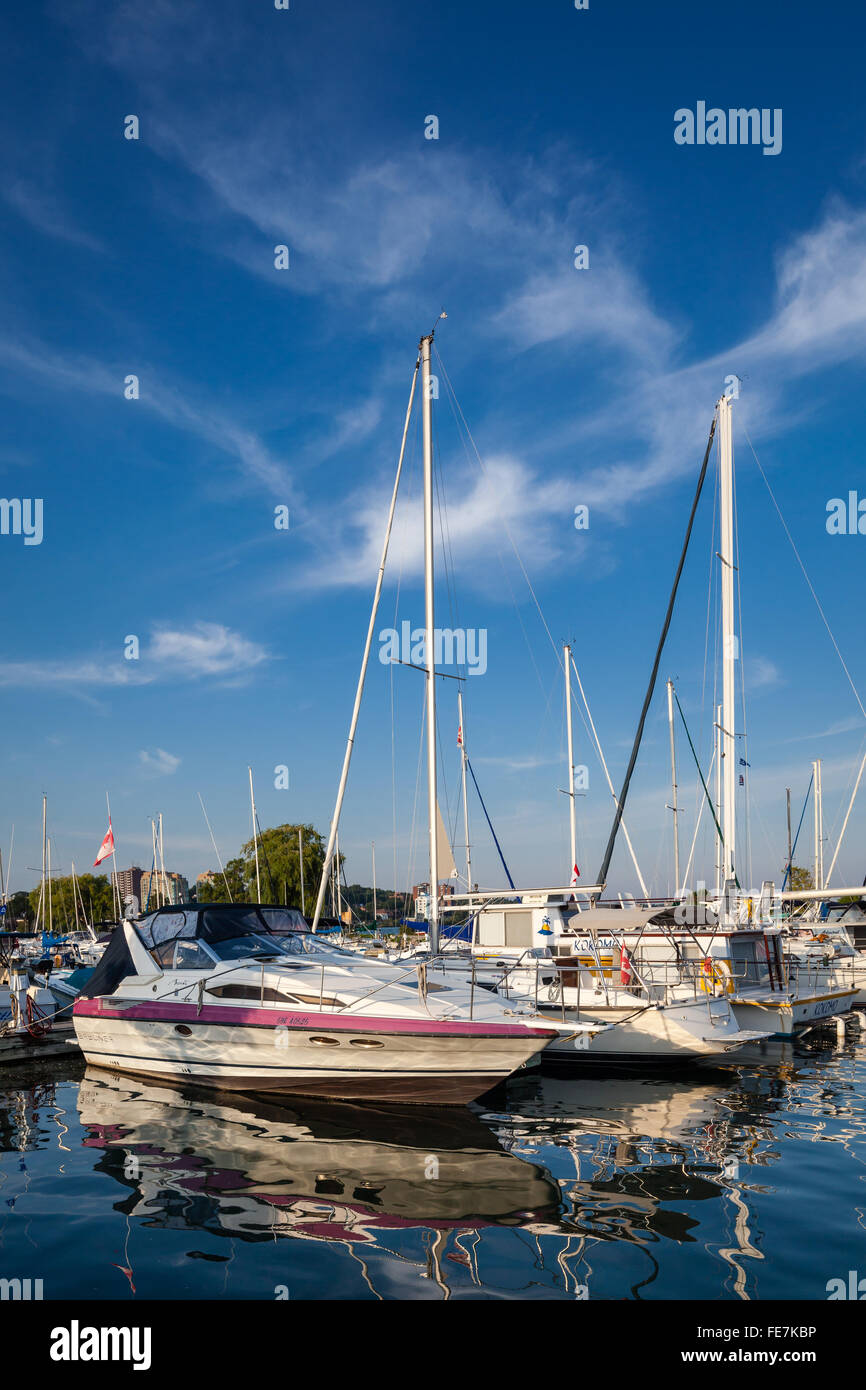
(708,1184)
(329,1172)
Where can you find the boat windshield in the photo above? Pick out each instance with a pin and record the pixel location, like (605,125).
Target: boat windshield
(310,944)
(234,933)
(250,944)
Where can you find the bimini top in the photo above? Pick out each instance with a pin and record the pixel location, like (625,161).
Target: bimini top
(226,931)
(217,922)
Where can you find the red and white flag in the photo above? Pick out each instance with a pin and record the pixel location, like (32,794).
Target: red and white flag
(107,846)
(459,735)
(575,875)
(624,967)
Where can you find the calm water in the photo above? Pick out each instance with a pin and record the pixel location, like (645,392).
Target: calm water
(746,1183)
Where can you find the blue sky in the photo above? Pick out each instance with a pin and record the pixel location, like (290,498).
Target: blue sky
(261,387)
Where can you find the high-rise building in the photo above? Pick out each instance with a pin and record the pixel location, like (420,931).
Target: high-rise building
(160,887)
(128,882)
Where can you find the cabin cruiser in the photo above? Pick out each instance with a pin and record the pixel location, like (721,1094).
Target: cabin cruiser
(224,996)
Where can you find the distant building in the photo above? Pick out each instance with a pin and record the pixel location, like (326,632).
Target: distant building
(161,888)
(421,898)
(128,883)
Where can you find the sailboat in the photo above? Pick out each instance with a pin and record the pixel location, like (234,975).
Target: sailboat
(733,944)
(719,967)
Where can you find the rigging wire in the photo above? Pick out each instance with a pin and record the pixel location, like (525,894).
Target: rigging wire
(806,576)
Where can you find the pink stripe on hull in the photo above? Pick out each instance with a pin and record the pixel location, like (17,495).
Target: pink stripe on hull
(275,1018)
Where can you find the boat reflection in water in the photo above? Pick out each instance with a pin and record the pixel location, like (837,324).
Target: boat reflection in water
(249,1169)
(599,1188)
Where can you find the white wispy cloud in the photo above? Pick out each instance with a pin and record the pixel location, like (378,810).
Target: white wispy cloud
(159,762)
(200,651)
(176,405)
(762,673)
(42,209)
(206,649)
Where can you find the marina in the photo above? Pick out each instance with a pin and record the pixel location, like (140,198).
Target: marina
(433,687)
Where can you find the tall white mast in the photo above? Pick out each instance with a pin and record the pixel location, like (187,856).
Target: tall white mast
(339,878)
(674,806)
(719,883)
(153,883)
(465,802)
(571,811)
(255,837)
(12,846)
(43,900)
(301,863)
(118,907)
(729,641)
(374,883)
(429,642)
(818,797)
(166,897)
(74,896)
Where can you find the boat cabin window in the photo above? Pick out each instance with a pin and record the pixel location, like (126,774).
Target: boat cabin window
(491,929)
(511,928)
(284,919)
(750,964)
(191,955)
(518,928)
(164,954)
(182,955)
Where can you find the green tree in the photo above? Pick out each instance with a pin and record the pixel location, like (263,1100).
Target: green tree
(800,879)
(94,891)
(279,869)
(19,911)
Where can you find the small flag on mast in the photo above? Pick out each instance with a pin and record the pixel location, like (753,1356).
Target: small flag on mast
(459,735)
(575,875)
(107,846)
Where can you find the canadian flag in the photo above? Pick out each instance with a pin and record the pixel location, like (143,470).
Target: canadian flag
(624,967)
(575,875)
(107,846)
(459,735)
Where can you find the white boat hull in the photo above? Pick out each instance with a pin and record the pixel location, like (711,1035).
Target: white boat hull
(360,1058)
(677,1033)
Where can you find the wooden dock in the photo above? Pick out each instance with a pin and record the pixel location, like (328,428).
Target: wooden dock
(59,1042)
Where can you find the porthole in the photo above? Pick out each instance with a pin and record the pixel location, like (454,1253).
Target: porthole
(365,1042)
(182,1028)
(325,1042)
